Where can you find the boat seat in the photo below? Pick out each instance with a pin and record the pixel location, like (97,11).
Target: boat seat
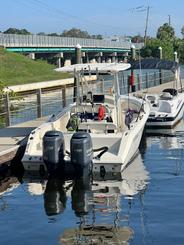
(100,126)
(166,96)
(86,107)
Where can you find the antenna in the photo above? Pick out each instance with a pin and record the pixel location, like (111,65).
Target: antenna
(143,9)
(146,27)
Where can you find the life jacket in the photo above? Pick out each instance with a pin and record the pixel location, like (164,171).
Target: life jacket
(101,112)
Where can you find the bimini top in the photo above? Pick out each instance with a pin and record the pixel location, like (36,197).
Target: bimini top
(152,63)
(93,67)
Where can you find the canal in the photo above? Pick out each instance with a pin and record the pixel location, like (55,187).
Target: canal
(143,205)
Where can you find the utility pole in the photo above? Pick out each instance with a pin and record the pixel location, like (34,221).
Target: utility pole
(146,27)
(169,20)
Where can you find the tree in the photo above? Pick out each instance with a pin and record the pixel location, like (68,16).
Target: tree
(74,32)
(166,32)
(181,52)
(182,31)
(16,31)
(98,36)
(53,34)
(151,48)
(137,39)
(41,33)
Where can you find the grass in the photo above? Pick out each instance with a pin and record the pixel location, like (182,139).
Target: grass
(18,69)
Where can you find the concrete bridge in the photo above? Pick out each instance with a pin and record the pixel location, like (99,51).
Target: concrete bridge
(64,47)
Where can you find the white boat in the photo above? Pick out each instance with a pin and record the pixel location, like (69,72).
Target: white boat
(166,109)
(113,122)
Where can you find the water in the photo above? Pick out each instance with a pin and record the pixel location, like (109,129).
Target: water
(145,207)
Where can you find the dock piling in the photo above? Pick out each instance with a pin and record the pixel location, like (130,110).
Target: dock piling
(7,109)
(39,103)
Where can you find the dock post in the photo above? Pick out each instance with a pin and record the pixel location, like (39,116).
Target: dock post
(7,109)
(39,103)
(147,80)
(160,76)
(155,78)
(139,81)
(160,71)
(64,96)
(132,71)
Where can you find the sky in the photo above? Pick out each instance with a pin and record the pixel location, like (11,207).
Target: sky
(106,17)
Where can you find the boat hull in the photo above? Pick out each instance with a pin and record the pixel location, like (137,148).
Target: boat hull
(167,120)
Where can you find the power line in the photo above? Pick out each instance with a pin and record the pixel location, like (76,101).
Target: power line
(61,13)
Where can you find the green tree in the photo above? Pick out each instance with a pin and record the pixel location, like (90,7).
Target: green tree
(41,33)
(182,31)
(53,34)
(98,36)
(166,32)
(181,52)
(16,31)
(151,48)
(74,32)
(137,39)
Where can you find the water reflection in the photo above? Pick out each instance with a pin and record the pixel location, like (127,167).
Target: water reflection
(55,197)
(96,203)
(7,185)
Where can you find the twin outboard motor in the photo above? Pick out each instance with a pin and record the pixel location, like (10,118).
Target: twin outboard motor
(53,150)
(81,149)
(81,153)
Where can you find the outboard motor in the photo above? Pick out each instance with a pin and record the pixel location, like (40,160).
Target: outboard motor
(53,150)
(81,150)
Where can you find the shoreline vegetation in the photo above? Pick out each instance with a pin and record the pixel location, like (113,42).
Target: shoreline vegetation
(16,69)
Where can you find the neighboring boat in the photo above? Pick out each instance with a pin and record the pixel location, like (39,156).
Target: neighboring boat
(104,127)
(166,109)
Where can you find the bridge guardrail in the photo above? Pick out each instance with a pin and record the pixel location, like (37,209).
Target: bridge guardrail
(16,40)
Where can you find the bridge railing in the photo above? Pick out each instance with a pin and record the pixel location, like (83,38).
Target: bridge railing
(15,40)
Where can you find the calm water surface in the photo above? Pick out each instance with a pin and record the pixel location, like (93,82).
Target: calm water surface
(145,207)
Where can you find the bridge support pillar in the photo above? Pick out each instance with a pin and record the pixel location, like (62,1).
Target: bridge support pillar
(93,61)
(31,56)
(109,60)
(67,62)
(99,57)
(114,57)
(60,57)
(83,59)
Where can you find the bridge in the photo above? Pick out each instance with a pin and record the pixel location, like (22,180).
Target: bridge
(64,47)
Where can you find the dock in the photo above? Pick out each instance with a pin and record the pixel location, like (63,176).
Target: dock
(13,139)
